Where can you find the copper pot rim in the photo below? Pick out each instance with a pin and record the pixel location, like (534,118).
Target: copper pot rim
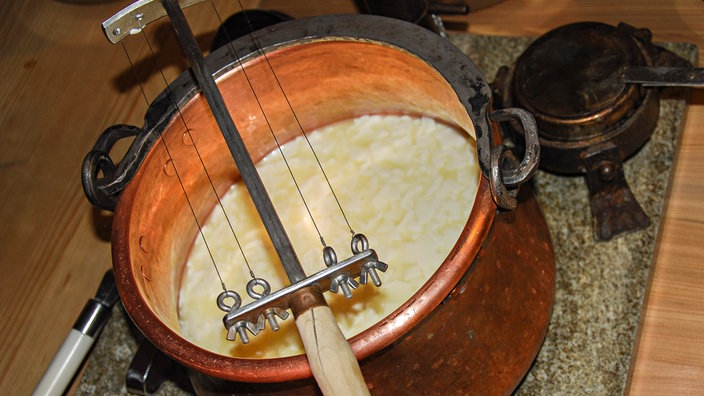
(365,344)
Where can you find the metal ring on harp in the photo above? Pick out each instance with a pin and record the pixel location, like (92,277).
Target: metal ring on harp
(229,294)
(501,195)
(359,240)
(329,256)
(258,282)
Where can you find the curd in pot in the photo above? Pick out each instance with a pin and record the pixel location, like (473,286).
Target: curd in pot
(407,183)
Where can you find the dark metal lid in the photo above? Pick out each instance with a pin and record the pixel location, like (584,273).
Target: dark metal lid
(570,80)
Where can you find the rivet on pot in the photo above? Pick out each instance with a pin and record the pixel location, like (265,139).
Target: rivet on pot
(169,169)
(143,244)
(187,137)
(144,273)
(607,171)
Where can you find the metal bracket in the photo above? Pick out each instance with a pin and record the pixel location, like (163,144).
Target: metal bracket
(252,317)
(133,18)
(614,207)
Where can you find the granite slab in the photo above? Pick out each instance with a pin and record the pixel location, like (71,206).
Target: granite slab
(599,285)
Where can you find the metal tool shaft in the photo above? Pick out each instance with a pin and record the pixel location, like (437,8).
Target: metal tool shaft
(234,141)
(665,76)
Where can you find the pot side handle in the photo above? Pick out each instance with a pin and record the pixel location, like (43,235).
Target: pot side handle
(506,174)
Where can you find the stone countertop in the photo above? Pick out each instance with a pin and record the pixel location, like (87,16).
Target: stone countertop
(599,285)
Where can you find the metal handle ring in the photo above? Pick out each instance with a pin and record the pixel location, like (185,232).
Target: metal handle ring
(329,256)
(515,176)
(229,294)
(359,243)
(266,289)
(501,194)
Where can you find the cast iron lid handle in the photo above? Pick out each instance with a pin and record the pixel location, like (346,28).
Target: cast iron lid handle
(651,76)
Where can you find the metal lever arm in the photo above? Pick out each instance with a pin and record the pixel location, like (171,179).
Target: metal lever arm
(329,354)
(234,141)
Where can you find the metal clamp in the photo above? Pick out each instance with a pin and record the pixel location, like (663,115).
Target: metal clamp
(132,19)
(252,318)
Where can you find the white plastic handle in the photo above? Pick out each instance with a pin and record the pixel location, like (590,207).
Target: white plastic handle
(65,364)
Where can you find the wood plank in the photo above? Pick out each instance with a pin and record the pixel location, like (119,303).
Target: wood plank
(670,356)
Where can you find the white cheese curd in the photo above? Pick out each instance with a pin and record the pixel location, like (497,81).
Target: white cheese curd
(407,183)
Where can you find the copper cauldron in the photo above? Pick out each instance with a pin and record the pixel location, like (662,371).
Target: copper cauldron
(334,68)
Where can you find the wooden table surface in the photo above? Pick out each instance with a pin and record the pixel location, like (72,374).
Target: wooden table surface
(63,83)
